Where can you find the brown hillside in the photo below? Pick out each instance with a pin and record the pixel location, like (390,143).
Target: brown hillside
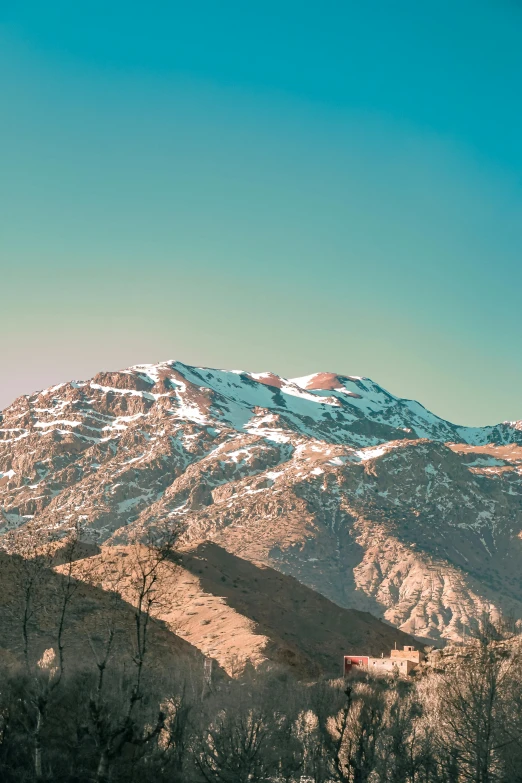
(90,611)
(235,611)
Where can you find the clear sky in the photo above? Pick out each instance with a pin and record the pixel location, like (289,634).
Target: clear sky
(276,185)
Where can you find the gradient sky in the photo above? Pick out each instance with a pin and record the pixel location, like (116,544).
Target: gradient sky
(285,186)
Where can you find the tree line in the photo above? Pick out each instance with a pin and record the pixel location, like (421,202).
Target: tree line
(114,715)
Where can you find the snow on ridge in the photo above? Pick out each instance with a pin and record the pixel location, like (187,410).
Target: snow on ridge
(247,392)
(357,391)
(53,422)
(366,395)
(373,452)
(257,375)
(304,380)
(315,405)
(516,425)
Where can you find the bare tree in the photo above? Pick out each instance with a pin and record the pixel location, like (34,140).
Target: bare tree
(31,558)
(41,594)
(172,743)
(352,733)
(234,747)
(50,668)
(405,750)
(139,579)
(472,707)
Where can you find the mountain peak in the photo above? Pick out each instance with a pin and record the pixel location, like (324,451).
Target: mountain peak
(324,381)
(364,496)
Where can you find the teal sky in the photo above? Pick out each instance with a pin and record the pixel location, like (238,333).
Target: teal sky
(285,186)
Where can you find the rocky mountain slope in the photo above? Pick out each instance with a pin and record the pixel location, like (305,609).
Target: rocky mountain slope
(367,498)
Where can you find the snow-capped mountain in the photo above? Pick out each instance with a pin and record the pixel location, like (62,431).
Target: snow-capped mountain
(366,497)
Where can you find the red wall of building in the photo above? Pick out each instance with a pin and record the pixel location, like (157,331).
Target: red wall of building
(354,660)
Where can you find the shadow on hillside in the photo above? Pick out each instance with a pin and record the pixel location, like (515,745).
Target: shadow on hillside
(300,620)
(87,619)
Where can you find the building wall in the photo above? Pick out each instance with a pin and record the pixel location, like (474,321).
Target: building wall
(390,665)
(379,665)
(416,656)
(351,661)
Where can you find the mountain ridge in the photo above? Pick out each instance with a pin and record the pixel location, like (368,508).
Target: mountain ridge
(367,498)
